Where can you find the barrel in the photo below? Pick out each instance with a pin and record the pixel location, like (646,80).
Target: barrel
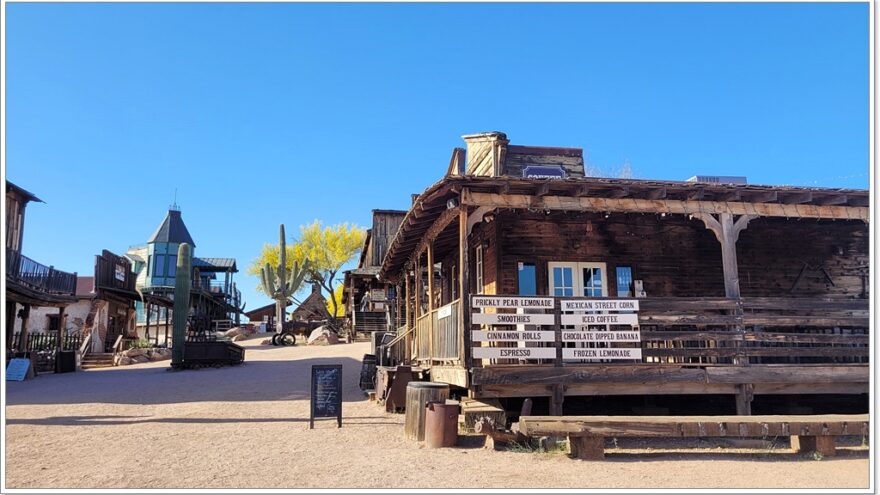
(418,394)
(441,424)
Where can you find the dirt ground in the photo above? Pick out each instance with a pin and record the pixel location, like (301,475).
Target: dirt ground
(143,426)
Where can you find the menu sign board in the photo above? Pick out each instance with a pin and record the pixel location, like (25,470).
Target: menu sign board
(601,336)
(326,393)
(511,319)
(512,336)
(600,305)
(17,369)
(601,353)
(514,352)
(601,319)
(512,302)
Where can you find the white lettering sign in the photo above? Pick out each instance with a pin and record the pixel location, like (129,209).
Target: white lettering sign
(601,319)
(512,336)
(511,302)
(514,352)
(602,353)
(579,336)
(600,305)
(510,319)
(444,312)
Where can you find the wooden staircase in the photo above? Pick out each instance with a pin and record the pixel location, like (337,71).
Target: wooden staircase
(97,360)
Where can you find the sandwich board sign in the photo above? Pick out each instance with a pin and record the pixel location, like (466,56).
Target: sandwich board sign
(326,400)
(17,369)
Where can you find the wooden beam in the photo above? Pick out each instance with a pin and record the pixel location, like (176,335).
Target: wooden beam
(762,197)
(543,189)
(582,190)
(634,205)
(834,199)
(657,193)
(435,229)
(798,198)
(695,195)
(730,196)
(620,192)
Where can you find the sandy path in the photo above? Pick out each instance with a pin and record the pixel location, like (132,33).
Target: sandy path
(247,427)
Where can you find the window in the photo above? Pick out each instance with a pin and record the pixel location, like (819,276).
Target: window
(479,269)
(527,282)
(172,265)
(592,277)
(53,323)
(158,265)
(624,281)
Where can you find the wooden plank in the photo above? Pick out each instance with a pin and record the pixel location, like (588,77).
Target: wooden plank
(695,426)
(635,205)
(720,352)
(787,374)
(548,375)
(805,321)
(588,448)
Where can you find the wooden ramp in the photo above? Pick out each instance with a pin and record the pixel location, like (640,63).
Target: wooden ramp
(587,433)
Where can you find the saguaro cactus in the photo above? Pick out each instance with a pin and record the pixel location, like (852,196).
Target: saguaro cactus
(182,284)
(280,284)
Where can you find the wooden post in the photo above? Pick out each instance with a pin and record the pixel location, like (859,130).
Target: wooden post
(25,313)
(588,448)
(464,289)
(59,345)
(408,314)
(727,231)
(431,300)
(10,323)
(147,330)
(556,399)
(824,444)
(166,327)
(417,304)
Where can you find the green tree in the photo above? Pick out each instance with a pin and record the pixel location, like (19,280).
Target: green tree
(336,302)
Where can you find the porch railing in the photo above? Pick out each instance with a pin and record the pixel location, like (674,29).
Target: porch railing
(725,331)
(39,277)
(47,341)
(437,334)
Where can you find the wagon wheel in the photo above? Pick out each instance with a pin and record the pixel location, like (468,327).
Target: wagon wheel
(286,339)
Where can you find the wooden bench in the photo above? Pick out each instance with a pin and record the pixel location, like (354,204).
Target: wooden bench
(586,434)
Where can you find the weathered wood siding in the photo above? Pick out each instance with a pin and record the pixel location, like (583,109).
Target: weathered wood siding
(772,253)
(520,157)
(385,225)
(678,257)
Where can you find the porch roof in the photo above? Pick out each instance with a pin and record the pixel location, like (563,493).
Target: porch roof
(625,195)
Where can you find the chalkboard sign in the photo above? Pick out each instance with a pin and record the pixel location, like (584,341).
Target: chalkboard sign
(326,393)
(17,369)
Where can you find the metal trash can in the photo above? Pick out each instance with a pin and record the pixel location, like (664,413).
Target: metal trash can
(418,394)
(441,424)
(66,362)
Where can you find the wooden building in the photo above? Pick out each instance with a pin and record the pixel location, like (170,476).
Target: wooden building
(370,303)
(29,284)
(523,278)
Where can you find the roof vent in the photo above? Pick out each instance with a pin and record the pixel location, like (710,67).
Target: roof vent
(719,179)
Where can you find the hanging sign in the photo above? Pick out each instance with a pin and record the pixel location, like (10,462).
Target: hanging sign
(511,319)
(601,353)
(543,172)
(580,336)
(511,302)
(600,319)
(600,305)
(512,336)
(326,393)
(444,312)
(514,352)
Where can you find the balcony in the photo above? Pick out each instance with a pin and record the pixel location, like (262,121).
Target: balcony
(37,277)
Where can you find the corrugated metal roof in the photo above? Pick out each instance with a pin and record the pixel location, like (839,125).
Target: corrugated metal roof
(172,229)
(219,263)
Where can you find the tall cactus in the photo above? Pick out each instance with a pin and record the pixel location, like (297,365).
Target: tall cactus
(182,285)
(280,284)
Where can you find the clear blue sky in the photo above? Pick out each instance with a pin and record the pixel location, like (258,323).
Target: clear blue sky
(269,113)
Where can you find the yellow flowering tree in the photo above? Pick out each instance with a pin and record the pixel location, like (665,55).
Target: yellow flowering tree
(327,248)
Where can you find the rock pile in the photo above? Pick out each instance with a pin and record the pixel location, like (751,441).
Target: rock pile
(134,356)
(323,336)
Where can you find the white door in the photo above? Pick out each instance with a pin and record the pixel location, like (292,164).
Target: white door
(577,279)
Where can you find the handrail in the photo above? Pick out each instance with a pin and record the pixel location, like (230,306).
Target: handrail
(84,348)
(117,345)
(400,337)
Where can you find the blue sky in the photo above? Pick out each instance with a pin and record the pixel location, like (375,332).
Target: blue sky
(269,113)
